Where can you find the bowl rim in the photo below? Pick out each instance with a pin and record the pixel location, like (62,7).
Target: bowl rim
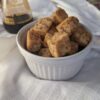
(50,58)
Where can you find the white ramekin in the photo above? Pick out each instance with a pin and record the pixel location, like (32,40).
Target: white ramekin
(61,68)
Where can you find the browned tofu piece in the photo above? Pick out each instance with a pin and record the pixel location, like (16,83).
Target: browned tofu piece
(47,38)
(53,29)
(45,52)
(58,44)
(69,25)
(73,49)
(43,25)
(81,29)
(33,42)
(82,39)
(49,34)
(82,36)
(59,15)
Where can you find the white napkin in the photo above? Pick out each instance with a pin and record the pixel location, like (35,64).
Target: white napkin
(41,8)
(18,83)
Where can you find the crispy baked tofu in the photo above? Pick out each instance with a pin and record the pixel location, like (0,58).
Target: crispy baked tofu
(58,44)
(33,43)
(43,25)
(59,15)
(81,36)
(45,52)
(47,38)
(73,49)
(69,25)
(53,29)
(49,34)
(57,35)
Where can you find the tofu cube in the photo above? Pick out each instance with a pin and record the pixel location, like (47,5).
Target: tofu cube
(82,36)
(53,29)
(33,42)
(69,25)
(58,44)
(47,38)
(73,49)
(43,25)
(59,15)
(45,52)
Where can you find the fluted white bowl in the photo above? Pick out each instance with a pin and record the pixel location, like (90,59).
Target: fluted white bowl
(61,68)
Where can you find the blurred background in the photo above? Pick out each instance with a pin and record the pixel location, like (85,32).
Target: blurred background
(0,3)
(94,2)
(44,8)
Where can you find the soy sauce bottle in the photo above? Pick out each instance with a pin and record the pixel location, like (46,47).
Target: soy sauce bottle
(16,14)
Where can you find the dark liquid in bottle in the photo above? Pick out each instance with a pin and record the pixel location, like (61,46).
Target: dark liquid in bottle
(19,20)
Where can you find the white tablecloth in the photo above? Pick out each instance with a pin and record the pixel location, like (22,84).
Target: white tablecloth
(18,83)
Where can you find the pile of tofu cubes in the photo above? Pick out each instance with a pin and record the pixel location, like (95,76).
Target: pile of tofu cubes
(58,35)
